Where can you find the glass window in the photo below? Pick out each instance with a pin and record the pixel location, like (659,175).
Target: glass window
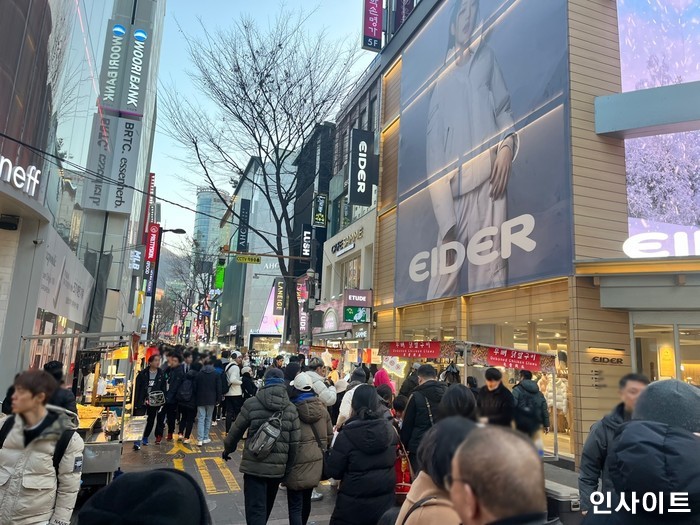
(351,273)
(363,119)
(655,351)
(372,114)
(430,322)
(689,339)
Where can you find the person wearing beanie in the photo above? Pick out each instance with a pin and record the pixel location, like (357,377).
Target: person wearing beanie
(657,452)
(363,458)
(262,476)
(595,456)
(382,378)
(315,438)
(358,377)
(137,497)
(62,397)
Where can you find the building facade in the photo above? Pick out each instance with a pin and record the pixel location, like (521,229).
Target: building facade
(71,214)
(515,208)
(208,234)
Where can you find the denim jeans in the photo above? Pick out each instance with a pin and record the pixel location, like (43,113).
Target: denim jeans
(204,415)
(259,495)
(299,506)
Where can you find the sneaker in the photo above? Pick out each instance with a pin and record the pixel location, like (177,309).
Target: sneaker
(206,441)
(199,443)
(179,437)
(137,445)
(170,437)
(283,486)
(186,441)
(316,496)
(159,439)
(145,442)
(213,423)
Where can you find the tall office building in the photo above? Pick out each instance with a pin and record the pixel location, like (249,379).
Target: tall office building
(210,210)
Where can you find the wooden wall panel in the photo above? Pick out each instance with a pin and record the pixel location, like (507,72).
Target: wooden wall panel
(391,95)
(598,163)
(389,167)
(385,251)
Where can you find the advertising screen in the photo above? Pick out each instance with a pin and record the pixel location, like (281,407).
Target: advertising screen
(484,176)
(660,46)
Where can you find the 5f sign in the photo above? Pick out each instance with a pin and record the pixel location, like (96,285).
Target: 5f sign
(363,167)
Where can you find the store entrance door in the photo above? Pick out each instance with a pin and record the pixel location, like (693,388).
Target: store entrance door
(667,350)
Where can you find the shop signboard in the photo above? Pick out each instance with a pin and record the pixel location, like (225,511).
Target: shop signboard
(415,349)
(99,162)
(278,290)
(23,179)
(66,286)
(363,168)
(663,196)
(352,297)
(402,11)
(248,259)
(356,314)
(123,174)
(320,210)
(487,355)
(150,208)
(481,133)
(114,62)
(372,21)
(243,219)
(306,237)
(152,242)
(138,61)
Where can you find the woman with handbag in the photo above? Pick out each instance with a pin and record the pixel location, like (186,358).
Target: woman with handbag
(316,438)
(149,398)
(362,458)
(428,501)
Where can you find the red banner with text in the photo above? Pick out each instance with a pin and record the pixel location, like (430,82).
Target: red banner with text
(415,349)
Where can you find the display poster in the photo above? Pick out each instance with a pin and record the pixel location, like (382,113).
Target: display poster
(484,165)
(356,314)
(244,218)
(364,169)
(271,323)
(372,21)
(320,210)
(66,286)
(415,349)
(660,46)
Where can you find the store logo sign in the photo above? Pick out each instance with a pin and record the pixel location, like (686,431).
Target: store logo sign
(348,243)
(479,251)
(25,179)
(306,235)
(659,244)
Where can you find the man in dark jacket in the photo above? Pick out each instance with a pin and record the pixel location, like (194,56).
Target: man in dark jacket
(495,401)
(410,382)
(62,397)
(174,375)
(497,477)
(261,477)
(208,391)
(657,453)
(421,410)
(531,412)
(594,458)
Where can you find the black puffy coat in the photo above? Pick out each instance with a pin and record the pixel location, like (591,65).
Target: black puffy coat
(208,387)
(256,411)
(191,375)
(64,398)
(654,457)
(497,405)
(595,456)
(174,377)
(141,390)
(417,418)
(363,458)
(248,386)
(409,384)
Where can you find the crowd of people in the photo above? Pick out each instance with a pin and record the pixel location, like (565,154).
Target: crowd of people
(438,452)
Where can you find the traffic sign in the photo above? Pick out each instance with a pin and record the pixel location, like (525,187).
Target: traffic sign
(248,259)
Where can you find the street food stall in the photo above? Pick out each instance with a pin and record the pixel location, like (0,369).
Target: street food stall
(100,372)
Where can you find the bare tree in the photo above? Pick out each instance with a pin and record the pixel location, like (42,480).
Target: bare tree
(165,313)
(270,87)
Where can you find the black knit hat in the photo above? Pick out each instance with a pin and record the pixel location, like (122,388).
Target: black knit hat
(274,372)
(162,496)
(672,402)
(358,375)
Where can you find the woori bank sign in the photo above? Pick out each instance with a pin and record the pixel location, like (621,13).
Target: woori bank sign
(484,151)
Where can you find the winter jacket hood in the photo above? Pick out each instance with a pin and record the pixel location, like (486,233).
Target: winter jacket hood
(273,397)
(437,512)
(311,410)
(369,436)
(654,457)
(529,386)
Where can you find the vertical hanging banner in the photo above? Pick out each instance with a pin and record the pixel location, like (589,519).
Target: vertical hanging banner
(403,9)
(150,209)
(99,162)
(306,236)
(372,23)
(363,167)
(244,218)
(126,156)
(137,68)
(320,210)
(113,62)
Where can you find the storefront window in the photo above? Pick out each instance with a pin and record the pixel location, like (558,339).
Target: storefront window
(656,357)
(351,273)
(690,354)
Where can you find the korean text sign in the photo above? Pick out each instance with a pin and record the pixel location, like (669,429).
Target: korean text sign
(372,21)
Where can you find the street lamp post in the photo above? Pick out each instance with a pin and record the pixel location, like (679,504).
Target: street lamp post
(177,231)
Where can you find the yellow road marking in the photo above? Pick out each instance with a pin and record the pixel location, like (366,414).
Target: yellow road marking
(179,447)
(209,484)
(179,464)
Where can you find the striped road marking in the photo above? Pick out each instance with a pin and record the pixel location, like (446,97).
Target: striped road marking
(209,485)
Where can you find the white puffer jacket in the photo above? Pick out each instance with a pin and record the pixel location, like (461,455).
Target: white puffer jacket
(326,393)
(30,491)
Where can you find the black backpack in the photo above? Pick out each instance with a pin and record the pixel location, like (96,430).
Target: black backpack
(527,417)
(61,444)
(225,385)
(185,394)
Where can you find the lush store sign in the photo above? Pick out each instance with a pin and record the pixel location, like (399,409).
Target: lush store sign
(23,179)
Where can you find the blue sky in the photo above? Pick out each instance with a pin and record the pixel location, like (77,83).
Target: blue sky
(340,18)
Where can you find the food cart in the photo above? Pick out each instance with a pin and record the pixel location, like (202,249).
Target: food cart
(92,364)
